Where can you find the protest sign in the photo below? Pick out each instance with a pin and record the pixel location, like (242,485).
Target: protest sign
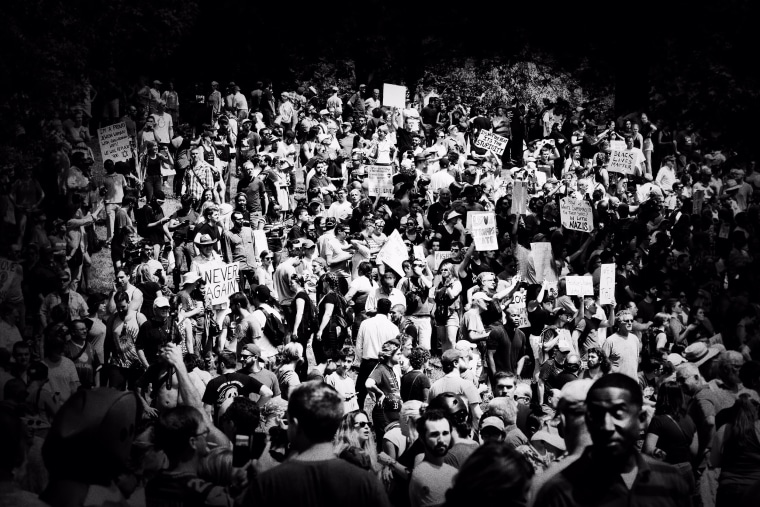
(551,289)
(114,143)
(394,95)
(622,161)
(579,285)
(699,201)
(542,261)
(607,284)
(482,225)
(576,214)
(520,197)
(439,257)
(394,253)
(519,303)
(490,141)
(221,280)
(617,144)
(259,242)
(8,271)
(419,253)
(380,181)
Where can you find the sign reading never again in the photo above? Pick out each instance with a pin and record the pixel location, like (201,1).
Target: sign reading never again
(221,280)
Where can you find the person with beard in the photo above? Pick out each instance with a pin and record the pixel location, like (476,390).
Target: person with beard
(623,347)
(612,470)
(432,477)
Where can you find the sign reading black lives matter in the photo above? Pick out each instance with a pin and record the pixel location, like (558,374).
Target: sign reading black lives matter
(576,214)
(622,161)
(490,141)
(114,143)
(482,225)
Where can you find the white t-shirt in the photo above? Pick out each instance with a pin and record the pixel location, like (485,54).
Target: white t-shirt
(429,484)
(345,387)
(60,377)
(161,130)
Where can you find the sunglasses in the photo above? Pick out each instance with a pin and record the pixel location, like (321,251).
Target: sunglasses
(363,424)
(268,258)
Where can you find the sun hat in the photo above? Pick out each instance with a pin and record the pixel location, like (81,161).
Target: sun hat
(699,353)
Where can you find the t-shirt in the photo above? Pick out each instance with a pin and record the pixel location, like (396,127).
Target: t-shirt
(674,437)
(85,361)
(184,489)
(346,388)
(455,385)
(413,385)
(385,379)
(499,342)
(60,377)
(150,338)
(332,482)
(268,379)
(623,353)
(229,385)
(459,453)
(429,483)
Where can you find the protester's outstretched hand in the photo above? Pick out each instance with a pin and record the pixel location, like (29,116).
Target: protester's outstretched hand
(173,355)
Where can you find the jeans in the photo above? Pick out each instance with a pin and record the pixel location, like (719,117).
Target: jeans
(111,218)
(151,185)
(365,370)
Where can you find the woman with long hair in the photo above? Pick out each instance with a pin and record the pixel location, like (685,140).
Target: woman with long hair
(332,321)
(355,433)
(736,450)
(447,305)
(494,474)
(672,434)
(358,291)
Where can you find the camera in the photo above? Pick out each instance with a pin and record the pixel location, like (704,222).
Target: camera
(247,448)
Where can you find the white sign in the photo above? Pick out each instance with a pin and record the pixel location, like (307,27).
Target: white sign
(259,242)
(542,261)
(482,225)
(579,285)
(618,144)
(419,253)
(221,280)
(380,181)
(439,257)
(114,143)
(394,95)
(394,253)
(8,271)
(576,214)
(519,303)
(490,141)
(607,285)
(520,197)
(622,161)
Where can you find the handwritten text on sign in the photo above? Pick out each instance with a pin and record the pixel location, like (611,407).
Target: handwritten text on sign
(622,161)
(576,215)
(8,271)
(394,253)
(482,225)
(221,280)
(519,303)
(439,257)
(490,141)
(607,284)
(579,285)
(380,181)
(114,143)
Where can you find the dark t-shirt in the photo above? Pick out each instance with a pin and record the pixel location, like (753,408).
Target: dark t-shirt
(183,490)
(459,453)
(332,482)
(385,379)
(499,342)
(435,214)
(254,192)
(674,437)
(150,338)
(538,319)
(413,385)
(229,385)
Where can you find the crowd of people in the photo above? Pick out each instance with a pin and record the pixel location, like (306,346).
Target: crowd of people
(343,371)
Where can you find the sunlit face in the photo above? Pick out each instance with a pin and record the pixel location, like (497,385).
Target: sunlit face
(613,421)
(505,387)
(437,437)
(363,428)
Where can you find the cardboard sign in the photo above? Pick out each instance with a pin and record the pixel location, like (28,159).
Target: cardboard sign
(622,161)
(607,285)
(380,181)
(419,252)
(394,253)
(439,257)
(259,242)
(7,276)
(221,280)
(482,225)
(490,141)
(519,303)
(520,197)
(617,144)
(394,95)
(698,202)
(579,285)
(542,261)
(576,215)
(114,143)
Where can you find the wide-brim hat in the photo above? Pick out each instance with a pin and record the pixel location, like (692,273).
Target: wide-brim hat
(699,353)
(189,277)
(205,239)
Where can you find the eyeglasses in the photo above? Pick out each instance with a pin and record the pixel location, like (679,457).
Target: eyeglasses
(268,258)
(363,424)
(454,249)
(626,321)
(203,433)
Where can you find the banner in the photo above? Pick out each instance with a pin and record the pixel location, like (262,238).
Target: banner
(221,280)
(490,141)
(542,261)
(519,303)
(579,285)
(622,161)
(439,257)
(394,95)
(114,143)
(519,197)
(576,214)
(482,225)
(607,285)
(380,181)
(394,253)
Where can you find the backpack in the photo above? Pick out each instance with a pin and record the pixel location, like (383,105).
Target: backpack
(274,329)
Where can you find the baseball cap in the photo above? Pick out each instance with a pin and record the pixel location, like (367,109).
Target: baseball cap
(392,403)
(451,356)
(261,292)
(493,422)
(161,302)
(465,346)
(482,296)
(307,243)
(453,214)
(253,349)
(564,346)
